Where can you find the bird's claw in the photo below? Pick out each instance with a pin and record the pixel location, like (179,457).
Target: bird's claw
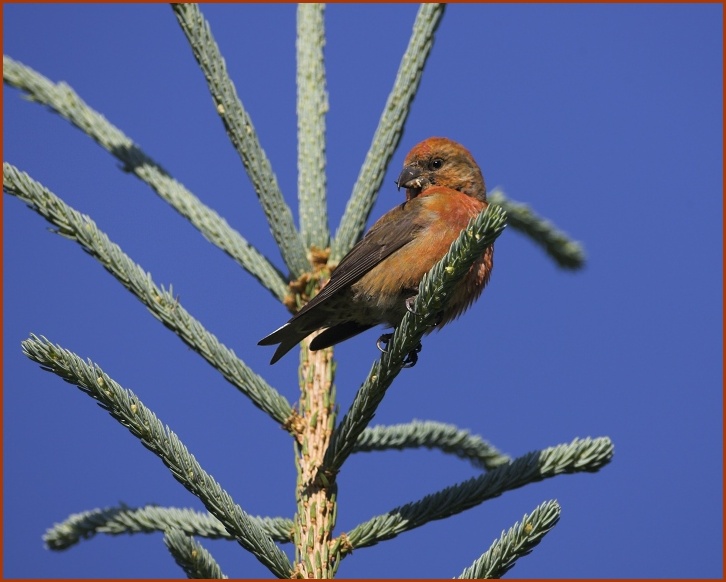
(409,304)
(382,343)
(411,358)
(409,307)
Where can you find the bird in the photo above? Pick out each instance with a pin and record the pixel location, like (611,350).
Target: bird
(377,281)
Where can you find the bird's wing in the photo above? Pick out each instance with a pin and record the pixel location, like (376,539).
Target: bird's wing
(383,239)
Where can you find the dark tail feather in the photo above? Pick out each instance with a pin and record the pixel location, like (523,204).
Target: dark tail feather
(336,334)
(283,348)
(289,335)
(276,336)
(301,326)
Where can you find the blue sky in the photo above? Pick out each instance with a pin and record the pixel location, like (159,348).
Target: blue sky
(606,119)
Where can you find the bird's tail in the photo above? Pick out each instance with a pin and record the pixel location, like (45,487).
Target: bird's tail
(292,333)
(287,336)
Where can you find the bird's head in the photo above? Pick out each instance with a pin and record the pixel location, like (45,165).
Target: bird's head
(438,161)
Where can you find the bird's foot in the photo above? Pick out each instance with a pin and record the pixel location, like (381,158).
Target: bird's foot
(409,304)
(412,357)
(382,343)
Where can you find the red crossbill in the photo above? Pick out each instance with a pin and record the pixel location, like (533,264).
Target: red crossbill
(376,282)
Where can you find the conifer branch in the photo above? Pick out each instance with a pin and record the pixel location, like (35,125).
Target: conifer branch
(127,520)
(191,556)
(243,136)
(312,105)
(389,130)
(568,253)
(518,541)
(162,303)
(316,492)
(61,99)
(581,455)
(432,435)
(127,408)
(433,293)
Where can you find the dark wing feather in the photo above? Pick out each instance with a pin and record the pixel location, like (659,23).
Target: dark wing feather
(376,245)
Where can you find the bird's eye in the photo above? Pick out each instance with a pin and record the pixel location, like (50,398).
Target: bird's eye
(436,164)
